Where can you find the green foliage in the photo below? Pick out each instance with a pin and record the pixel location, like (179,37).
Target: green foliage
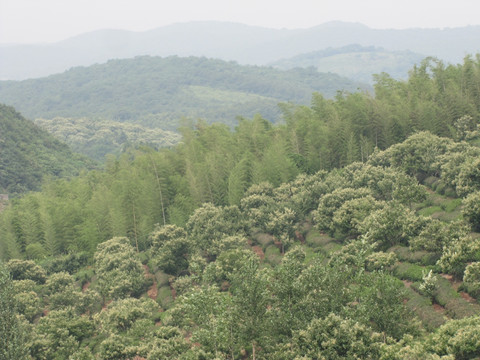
(468,179)
(422,307)
(170,248)
(208,225)
(61,290)
(380,303)
(456,307)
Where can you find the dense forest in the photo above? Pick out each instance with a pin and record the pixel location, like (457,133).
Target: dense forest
(350,231)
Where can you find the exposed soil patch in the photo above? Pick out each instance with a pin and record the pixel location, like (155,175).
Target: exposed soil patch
(439,308)
(407,283)
(153,291)
(85,286)
(467,297)
(258,250)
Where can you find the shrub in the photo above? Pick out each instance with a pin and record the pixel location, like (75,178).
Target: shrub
(69,263)
(119,272)
(471,279)
(460,338)
(456,255)
(471,210)
(380,260)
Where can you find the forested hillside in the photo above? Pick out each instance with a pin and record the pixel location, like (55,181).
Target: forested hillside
(346,264)
(28,154)
(158,92)
(217,165)
(350,231)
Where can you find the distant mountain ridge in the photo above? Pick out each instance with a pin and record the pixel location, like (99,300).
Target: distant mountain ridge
(228,41)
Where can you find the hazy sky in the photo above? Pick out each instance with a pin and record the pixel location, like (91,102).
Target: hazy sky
(27,21)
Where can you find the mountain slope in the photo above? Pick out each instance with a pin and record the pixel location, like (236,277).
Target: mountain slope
(27,154)
(159,91)
(227,41)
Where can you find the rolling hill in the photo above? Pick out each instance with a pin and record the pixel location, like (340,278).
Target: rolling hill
(158,92)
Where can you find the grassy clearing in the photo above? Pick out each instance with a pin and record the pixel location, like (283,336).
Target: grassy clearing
(412,272)
(417,257)
(430,210)
(442,207)
(331,247)
(456,306)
